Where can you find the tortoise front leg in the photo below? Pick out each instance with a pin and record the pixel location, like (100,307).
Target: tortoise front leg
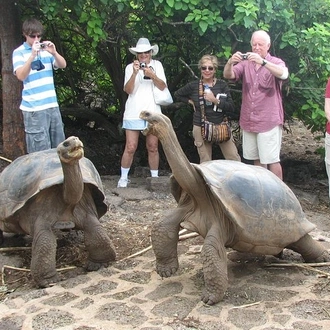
(214,260)
(97,242)
(43,262)
(164,239)
(100,249)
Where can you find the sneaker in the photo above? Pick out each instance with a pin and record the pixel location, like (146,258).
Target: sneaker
(122,183)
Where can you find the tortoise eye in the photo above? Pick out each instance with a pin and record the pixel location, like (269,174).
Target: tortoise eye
(66,144)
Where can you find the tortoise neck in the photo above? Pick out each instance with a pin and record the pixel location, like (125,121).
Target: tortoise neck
(73,185)
(185,174)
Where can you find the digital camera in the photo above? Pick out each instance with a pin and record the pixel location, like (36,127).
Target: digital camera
(143,65)
(245,56)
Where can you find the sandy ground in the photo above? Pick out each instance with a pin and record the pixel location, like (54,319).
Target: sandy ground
(264,292)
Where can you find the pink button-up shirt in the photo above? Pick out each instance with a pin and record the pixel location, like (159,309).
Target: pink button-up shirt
(261,108)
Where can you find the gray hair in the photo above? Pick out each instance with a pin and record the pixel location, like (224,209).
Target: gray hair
(263,34)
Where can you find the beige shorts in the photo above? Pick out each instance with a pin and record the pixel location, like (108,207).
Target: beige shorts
(264,146)
(327,156)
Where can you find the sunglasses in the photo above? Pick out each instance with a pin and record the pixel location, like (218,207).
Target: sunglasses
(148,52)
(210,68)
(33,36)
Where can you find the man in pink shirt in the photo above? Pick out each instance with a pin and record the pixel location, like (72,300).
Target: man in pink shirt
(327,131)
(262,115)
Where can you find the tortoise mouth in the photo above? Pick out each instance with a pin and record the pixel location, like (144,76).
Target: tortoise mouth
(75,152)
(71,149)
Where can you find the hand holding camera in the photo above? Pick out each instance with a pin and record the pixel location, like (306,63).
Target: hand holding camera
(244,56)
(148,70)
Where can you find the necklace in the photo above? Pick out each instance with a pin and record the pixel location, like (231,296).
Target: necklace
(214,81)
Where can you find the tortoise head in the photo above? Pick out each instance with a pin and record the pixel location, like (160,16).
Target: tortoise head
(158,124)
(71,149)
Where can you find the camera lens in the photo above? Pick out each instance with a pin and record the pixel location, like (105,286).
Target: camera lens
(142,65)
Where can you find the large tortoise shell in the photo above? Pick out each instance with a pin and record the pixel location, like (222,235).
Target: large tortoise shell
(265,212)
(29,174)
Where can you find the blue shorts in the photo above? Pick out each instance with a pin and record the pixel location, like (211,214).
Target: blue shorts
(43,129)
(135,125)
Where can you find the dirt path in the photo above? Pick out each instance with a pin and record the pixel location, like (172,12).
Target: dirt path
(130,295)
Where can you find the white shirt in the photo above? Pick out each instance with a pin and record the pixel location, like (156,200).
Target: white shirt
(142,97)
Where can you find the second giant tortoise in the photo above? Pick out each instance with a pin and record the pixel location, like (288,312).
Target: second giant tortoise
(231,205)
(55,189)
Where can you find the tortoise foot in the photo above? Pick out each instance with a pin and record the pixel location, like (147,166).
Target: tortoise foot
(211,298)
(167,268)
(46,281)
(91,266)
(324,257)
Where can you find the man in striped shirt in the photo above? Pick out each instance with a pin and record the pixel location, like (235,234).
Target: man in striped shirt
(33,64)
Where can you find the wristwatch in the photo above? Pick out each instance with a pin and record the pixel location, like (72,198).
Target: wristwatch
(264,62)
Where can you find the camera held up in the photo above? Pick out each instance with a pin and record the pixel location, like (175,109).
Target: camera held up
(143,66)
(244,56)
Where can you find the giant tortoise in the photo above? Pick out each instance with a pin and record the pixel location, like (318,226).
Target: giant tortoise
(231,205)
(55,189)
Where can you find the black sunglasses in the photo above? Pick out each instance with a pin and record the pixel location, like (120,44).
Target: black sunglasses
(33,36)
(147,52)
(210,68)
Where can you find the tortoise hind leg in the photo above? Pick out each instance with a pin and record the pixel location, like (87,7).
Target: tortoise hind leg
(310,250)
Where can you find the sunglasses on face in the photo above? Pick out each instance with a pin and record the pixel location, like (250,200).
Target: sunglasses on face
(210,68)
(148,52)
(33,36)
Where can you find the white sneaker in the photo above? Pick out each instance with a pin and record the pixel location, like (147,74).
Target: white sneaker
(122,183)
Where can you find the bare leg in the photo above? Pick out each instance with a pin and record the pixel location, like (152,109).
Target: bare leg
(153,154)
(132,139)
(164,238)
(275,168)
(310,250)
(214,268)
(257,163)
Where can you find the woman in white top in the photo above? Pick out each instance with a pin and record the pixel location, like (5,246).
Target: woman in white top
(140,78)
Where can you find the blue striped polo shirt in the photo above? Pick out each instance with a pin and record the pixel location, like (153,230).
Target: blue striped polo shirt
(38,88)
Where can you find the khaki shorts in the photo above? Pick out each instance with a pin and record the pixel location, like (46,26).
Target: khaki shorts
(327,155)
(264,146)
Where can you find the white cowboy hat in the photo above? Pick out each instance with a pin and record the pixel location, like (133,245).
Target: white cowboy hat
(143,45)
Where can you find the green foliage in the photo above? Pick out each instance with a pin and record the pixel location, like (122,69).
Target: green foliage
(97,33)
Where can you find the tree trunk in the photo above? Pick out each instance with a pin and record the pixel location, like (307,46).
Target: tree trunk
(12,120)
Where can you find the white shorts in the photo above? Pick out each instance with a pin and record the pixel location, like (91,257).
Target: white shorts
(264,146)
(135,125)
